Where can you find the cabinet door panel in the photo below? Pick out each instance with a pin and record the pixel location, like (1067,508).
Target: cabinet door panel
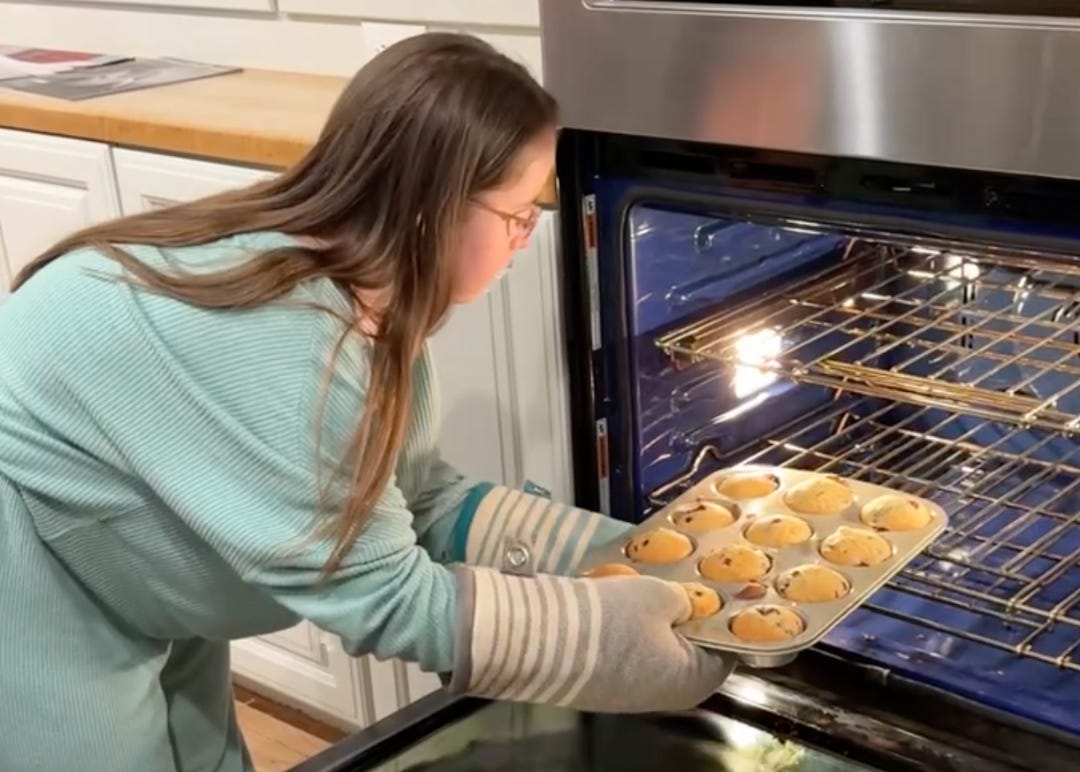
(149,180)
(213,5)
(512,13)
(49,187)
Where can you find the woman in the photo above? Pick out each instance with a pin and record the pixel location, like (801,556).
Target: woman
(219,418)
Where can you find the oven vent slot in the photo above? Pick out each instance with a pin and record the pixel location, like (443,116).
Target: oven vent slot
(747,171)
(988,335)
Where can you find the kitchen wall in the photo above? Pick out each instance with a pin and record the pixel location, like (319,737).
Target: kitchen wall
(332,37)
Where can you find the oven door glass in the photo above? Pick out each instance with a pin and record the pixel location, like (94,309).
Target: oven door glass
(1009,7)
(524,738)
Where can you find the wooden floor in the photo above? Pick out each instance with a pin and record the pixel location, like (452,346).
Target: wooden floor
(279,738)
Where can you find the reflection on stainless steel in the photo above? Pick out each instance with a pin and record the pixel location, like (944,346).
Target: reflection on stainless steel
(840,83)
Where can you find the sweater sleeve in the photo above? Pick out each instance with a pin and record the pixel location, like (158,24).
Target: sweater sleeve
(213,411)
(463,520)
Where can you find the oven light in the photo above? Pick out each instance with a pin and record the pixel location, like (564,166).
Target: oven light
(961,269)
(756,354)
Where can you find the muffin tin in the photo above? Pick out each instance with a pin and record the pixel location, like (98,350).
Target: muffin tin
(736,596)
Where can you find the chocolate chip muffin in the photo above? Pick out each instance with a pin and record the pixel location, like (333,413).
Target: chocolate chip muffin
(894,512)
(735,563)
(767,624)
(824,495)
(661,545)
(848,546)
(703,515)
(742,487)
(704,601)
(812,583)
(778,531)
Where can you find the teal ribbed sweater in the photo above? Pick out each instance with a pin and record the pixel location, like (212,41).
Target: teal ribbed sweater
(157,486)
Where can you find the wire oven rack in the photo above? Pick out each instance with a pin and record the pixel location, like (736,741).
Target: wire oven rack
(1008,565)
(911,323)
(954,379)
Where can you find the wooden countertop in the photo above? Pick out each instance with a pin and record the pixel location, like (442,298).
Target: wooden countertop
(257,117)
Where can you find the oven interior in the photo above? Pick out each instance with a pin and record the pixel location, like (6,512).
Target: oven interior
(924,349)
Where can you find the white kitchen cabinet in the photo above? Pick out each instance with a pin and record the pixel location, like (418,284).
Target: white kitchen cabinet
(150,180)
(49,187)
(494,13)
(531,345)
(212,5)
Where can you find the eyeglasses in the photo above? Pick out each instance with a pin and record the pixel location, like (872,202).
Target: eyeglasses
(518,228)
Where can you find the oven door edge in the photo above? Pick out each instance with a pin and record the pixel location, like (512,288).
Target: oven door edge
(382,742)
(877,717)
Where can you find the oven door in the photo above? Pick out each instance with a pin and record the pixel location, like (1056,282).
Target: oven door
(753,725)
(971,84)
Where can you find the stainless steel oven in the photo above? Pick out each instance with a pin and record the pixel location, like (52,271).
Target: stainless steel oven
(845,236)
(841,236)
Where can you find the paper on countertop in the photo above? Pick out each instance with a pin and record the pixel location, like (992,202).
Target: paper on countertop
(21,61)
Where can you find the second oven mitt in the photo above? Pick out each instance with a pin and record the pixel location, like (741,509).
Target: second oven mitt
(604,646)
(557,536)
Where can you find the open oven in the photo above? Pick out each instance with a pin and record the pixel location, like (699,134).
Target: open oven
(841,236)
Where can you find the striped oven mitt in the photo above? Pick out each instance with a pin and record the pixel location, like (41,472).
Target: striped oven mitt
(539,535)
(528,631)
(597,645)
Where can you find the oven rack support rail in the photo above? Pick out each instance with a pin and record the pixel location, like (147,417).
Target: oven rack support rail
(927,326)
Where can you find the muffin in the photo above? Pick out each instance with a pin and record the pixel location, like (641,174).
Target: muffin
(611,569)
(767,624)
(823,495)
(735,563)
(661,545)
(812,583)
(704,602)
(893,512)
(778,531)
(849,546)
(701,516)
(746,486)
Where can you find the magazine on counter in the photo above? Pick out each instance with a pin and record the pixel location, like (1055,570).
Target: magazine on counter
(132,75)
(20,61)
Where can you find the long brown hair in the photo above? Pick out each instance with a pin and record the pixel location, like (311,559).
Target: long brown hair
(422,128)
